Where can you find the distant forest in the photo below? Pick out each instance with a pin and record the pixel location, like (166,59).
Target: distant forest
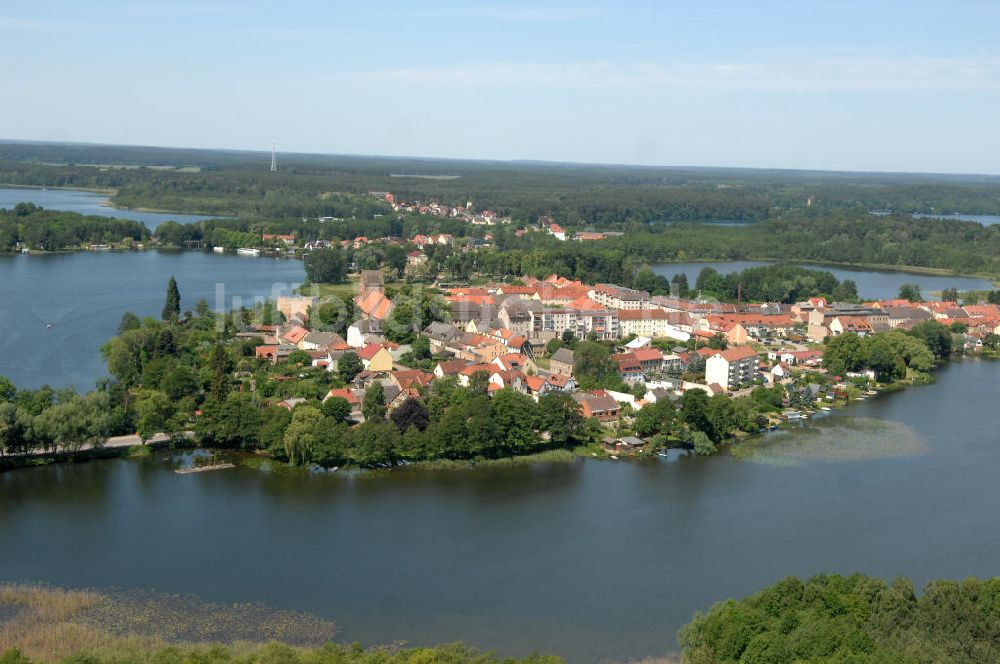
(238,183)
(789,215)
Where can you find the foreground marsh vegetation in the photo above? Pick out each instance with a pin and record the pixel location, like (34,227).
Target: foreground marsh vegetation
(43,625)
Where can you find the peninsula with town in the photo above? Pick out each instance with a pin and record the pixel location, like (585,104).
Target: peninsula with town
(617,359)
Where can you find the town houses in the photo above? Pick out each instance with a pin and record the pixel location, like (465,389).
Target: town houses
(538,337)
(506,330)
(466,212)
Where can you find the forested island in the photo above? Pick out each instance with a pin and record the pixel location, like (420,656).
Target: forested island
(27,225)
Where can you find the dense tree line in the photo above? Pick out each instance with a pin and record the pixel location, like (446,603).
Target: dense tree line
(448,422)
(831,618)
(775,283)
(889,354)
(50,420)
(233,183)
(48,230)
(836,237)
(246,232)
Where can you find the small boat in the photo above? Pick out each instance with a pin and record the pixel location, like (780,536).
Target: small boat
(48,326)
(614,457)
(243,251)
(826,408)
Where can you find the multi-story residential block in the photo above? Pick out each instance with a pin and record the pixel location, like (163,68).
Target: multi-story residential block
(731,367)
(655,323)
(617,297)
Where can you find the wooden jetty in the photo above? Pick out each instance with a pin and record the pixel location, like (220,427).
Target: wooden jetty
(204,469)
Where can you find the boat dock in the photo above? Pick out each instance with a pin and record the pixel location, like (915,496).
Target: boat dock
(204,469)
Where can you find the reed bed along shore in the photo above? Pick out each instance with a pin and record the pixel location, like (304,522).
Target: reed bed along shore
(49,624)
(45,625)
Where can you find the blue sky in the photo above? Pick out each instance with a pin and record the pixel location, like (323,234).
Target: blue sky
(853,85)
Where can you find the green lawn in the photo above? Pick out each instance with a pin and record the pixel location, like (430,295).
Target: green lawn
(342,291)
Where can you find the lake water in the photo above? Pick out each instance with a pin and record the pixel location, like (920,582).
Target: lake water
(87,202)
(591,560)
(84,295)
(984,219)
(872,284)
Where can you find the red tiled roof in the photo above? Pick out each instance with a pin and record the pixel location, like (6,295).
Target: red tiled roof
(518,290)
(736,353)
(557,380)
(534,383)
(343,393)
(473,368)
(648,354)
(376,305)
(584,304)
(369,351)
(855,323)
(452,367)
(295,334)
(627,362)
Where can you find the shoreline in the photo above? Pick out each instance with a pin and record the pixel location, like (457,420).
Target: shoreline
(577,454)
(877,267)
(108,203)
(874,267)
(90,190)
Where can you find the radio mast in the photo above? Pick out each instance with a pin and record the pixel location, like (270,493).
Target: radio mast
(274,157)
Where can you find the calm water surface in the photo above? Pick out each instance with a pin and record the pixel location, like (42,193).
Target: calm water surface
(872,284)
(84,295)
(87,202)
(590,560)
(984,219)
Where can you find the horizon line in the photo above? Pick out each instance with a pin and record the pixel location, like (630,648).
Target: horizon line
(494,160)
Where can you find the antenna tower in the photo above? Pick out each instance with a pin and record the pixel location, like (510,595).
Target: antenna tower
(274,157)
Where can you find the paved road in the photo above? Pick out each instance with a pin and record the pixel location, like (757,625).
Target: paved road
(114,442)
(129,441)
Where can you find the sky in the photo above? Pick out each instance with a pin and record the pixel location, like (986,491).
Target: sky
(843,85)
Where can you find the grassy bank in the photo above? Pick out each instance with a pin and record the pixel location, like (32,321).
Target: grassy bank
(548,456)
(49,625)
(345,291)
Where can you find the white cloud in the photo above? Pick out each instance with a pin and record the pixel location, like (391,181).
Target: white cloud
(854,73)
(12,23)
(199,9)
(511,13)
